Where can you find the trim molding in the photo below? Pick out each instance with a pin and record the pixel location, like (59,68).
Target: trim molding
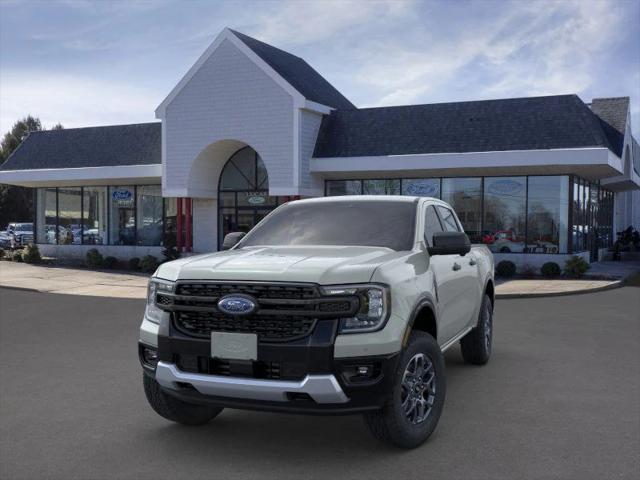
(80,176)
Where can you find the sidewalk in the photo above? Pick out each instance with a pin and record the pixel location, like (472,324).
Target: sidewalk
(72,281)
(75,281)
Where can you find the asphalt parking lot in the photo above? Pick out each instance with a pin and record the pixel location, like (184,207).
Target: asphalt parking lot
(559,399)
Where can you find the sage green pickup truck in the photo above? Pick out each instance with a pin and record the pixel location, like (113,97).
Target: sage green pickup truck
(337,305)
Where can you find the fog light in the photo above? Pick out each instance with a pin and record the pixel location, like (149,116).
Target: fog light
(150,356)
(364,371)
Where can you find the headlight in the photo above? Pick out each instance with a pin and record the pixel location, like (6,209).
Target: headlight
(374,307)
(152,312)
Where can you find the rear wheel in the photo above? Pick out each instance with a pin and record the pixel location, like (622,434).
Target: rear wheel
(176,410)
(476,345)
(411,413)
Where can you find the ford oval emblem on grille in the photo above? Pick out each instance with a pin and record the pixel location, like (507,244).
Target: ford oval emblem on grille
(236,305)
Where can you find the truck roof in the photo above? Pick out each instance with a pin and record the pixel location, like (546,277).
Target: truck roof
(365,198)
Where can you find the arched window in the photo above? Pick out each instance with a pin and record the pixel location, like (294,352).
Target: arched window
(244,171)
(243,193)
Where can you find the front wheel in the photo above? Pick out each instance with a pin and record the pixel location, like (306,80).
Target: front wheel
(176,410)
(412,411)
(476,345)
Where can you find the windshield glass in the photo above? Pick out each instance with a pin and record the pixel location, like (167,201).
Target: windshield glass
(360,223)
(23,227)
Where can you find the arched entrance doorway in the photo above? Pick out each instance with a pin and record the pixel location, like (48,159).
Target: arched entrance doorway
(243,193)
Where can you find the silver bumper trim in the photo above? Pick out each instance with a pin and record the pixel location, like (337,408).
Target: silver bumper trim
(321,388)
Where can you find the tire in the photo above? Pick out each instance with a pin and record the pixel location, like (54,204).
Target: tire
(391,424)
(176,410)
(505,250)
(476,345)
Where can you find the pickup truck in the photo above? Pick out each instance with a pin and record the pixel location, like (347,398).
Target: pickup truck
(336,305)
(16,235)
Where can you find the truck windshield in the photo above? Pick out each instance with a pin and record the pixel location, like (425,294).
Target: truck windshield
(363,223)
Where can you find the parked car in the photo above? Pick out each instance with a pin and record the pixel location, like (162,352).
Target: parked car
(332,305)
(505,241)
(17,235)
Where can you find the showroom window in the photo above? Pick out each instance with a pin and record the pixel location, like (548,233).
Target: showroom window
(547,214)
(70,216)
(343,187)
(46,215)
(100,215)
(122,220)
(381,187)
(465,196)
(505,214)
(149,215)
(94,216)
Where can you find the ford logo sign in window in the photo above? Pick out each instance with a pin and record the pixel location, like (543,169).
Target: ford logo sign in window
(236,305)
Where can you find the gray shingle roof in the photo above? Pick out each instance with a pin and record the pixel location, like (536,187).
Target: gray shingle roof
(116,145)
(298,73)
(613,115)
(533,123)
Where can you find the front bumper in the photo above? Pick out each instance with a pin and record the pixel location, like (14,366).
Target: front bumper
(301,376)
(320,388)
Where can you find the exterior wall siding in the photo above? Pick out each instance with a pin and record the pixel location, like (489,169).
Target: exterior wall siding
(229,98)
(309,127)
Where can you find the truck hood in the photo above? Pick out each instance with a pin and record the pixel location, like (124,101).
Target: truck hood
(325,265)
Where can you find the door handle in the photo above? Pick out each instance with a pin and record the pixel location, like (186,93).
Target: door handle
(456,266)
(472,262)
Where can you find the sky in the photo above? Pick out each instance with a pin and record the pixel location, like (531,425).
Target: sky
(104,62)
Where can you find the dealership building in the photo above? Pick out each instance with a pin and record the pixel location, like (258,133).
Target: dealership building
(250,126)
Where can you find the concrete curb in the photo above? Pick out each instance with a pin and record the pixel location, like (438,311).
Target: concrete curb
(24,289)
(507,296)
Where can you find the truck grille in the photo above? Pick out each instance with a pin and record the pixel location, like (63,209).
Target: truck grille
(285,311)
(281,328)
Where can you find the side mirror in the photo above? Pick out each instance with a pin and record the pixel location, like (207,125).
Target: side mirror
(231,239)
(450,243)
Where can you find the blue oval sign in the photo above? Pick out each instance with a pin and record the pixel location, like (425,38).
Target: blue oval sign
(236,305)
(423,189)
(121,194)
(505,187)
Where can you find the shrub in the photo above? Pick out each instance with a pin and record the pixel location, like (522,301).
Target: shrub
(506,268)
(94,258)
(110,263)
(1,253)
(17,256)
(550,270)
(170,250)
(528,271)
(576,267)
(134,263)
(148,264)
(31,254)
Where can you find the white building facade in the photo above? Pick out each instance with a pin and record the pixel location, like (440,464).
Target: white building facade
(251,126)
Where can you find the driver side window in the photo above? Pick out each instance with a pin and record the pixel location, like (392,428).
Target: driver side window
(448,220)
(431,225)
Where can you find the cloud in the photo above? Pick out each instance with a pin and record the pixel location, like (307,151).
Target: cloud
(529,48)
(294,22)
(71,100)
